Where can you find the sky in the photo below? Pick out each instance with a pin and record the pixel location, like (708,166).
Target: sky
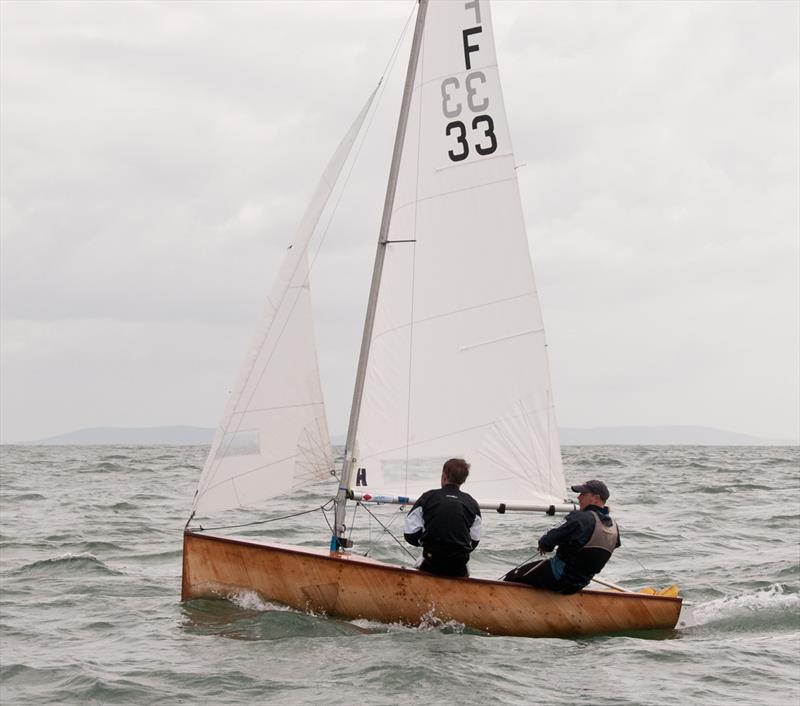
(155,159)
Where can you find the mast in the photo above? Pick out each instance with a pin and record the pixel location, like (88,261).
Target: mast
(338,541)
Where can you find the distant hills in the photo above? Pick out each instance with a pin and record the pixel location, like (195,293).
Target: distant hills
(131,436)
(598,436)
(664,436)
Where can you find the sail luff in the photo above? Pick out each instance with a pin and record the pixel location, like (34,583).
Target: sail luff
(347,468)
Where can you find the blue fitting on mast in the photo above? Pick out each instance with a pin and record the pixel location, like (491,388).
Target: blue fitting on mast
(334,543)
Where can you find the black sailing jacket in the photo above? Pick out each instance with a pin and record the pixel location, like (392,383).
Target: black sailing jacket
(445,519)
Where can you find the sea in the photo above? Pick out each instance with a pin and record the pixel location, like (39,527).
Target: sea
(90,568)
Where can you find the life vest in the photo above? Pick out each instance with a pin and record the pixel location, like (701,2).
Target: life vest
(587,561)
(604,536)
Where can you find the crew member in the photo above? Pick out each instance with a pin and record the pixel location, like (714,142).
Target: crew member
(446,522)
(586,539)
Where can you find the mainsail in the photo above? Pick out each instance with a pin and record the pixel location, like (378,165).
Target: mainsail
(457,361)
(274,436)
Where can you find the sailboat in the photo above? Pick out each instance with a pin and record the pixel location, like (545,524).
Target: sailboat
(453,362)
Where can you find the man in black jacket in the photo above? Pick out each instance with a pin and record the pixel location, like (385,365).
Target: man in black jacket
(446,522)
(585,539)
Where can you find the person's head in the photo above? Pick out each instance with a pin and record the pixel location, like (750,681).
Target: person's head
(455,471)
(592,492)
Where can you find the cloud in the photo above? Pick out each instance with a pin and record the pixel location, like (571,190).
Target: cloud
(156,159)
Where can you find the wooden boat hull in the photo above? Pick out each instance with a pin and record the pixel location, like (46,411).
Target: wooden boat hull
(353,587)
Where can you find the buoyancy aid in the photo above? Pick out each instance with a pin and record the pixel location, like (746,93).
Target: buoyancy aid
(594,555)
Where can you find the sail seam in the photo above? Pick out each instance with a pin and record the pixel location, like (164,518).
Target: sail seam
(378,454)
(458,73)
(454,191)
(455,311)
(232,478)
(474,161)
(501,338)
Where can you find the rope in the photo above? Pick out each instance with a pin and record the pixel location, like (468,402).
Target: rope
(272,519)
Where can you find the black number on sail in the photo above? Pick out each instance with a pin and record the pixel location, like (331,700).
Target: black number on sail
(361,476)
(488,132)
(460,138)
(487,124)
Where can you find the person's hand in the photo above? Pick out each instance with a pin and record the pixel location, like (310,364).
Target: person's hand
(542,550)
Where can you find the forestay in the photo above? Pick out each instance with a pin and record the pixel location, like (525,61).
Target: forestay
(457,362)
(274,435)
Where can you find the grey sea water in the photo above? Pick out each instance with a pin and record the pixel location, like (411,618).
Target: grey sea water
(90,561)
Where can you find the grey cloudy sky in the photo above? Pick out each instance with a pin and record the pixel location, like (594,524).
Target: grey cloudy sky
(157,156)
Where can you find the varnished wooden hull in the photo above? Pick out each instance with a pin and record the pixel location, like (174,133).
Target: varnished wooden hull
(352,587)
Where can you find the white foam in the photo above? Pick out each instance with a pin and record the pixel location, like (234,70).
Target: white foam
(774,598)
(429,622)
(250,600)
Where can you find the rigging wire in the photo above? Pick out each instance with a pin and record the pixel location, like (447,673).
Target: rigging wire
(272,519)
(370,540)
(387,530)
(633,555)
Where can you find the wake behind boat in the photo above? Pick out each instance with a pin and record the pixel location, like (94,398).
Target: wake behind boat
(453,362)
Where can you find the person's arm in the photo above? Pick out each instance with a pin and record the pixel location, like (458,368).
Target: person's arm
(414,526)
(558,534)
(475,530)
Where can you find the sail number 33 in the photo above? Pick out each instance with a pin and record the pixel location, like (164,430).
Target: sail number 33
(457,98)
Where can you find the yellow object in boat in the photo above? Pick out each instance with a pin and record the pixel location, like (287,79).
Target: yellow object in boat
(670,591)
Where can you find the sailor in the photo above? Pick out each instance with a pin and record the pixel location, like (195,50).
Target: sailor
(586,539)
(446,522)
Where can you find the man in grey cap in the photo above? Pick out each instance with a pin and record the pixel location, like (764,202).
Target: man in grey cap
(585,539)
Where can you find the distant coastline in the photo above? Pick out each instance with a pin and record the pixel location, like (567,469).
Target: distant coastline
(597,436)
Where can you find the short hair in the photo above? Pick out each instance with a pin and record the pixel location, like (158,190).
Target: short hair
(456,470)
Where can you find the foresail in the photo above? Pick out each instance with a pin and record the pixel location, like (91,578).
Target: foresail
(458,363)
(274,435)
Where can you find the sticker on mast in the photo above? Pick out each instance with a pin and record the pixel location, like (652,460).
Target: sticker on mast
(464,101)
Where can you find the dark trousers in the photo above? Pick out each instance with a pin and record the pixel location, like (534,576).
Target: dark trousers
(436,562)
(536,573)
(540,574)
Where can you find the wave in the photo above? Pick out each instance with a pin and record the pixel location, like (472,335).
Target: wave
(251,601)
(66,685)
(27,496)
(84,562)
(600,461)
(246,616)
(122,506)
(764,607)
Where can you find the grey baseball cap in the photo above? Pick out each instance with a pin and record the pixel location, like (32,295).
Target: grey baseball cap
(592,486)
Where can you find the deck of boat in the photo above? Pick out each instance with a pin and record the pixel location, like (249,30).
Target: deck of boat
(352,586)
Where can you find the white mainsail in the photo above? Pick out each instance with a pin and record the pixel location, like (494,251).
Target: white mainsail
(457,361)
(274,436)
